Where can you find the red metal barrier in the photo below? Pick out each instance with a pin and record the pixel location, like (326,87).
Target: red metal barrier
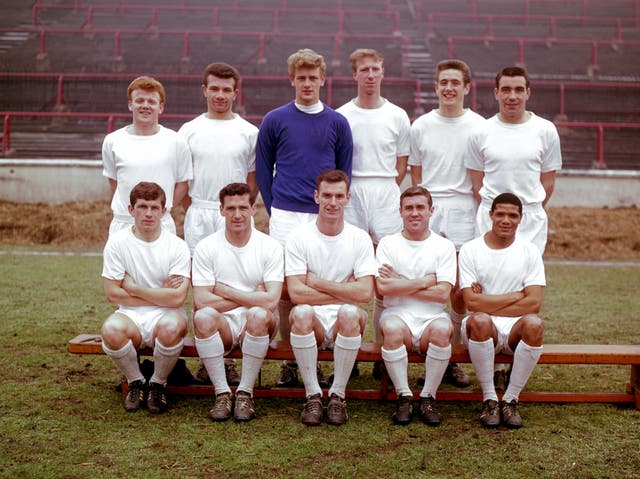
(601,127)
(552,20)
(260,38)
(580,6)
(153,11)
(520,42)
(562,85)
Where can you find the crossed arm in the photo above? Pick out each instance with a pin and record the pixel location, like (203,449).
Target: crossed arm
(427,288)
(126,292)
(310,289)
(518,303)
(223,297)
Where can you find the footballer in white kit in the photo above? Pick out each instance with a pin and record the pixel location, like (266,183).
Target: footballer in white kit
(237,276)
(145,151)
(329,268)
(515,151)
(438,145)
(146,273)
(502,280)
(380,136)
(416,271)
(380,133)
(223,151)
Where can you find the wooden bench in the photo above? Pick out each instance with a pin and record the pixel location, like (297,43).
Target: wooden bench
(552,354)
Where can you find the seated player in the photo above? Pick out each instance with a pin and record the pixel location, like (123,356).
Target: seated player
(329,270)
(146,273)
(417,269)
(502,279)
(237,281)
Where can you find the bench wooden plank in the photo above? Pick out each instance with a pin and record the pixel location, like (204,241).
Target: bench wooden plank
(551,354)
(604,354)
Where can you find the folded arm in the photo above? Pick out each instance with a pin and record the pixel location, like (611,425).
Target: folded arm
(204,296)
(172,293)
(389,282)
(516,303)
(265,296)
(309,289)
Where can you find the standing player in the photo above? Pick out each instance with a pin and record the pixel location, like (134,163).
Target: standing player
(380,132)
(146,273)
(223,149)
(417,269)
(237,280)
(516,151)
(438,144)
(502,278)
(329,270)
(145,151)
(298,141)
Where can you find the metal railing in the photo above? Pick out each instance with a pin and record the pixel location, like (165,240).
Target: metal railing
(109,118)
(340,14)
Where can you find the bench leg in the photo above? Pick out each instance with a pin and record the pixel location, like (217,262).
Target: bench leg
(634,384)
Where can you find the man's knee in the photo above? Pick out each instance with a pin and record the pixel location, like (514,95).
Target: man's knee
(440,331)
(479,326)
(391,326)
(259,321)
(393,331)
(350,320)
(206,321)
(171,328)
(532,327)
(115,331)
(301,319)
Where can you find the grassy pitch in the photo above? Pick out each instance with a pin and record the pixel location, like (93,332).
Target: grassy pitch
(60,415)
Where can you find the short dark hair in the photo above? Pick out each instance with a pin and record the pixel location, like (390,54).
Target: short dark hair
(149,191)
(332,176)
(512,72)
(416,191)
(507,198)
(221,70)
(454,64)
(236,189)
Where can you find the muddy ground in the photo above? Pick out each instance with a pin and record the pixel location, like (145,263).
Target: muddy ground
(574,233)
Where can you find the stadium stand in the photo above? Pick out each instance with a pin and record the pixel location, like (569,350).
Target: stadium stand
(75,57)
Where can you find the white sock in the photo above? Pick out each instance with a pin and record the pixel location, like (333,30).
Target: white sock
(305,349)
(482,356)
(378,308)
(345,352)
(525,359)
(456,320)
(435,364)
(254,349)
(126,360)
(211,351)
(164,359)
(396,361)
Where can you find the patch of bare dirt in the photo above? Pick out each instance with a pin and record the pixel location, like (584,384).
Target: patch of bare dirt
(574,233)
